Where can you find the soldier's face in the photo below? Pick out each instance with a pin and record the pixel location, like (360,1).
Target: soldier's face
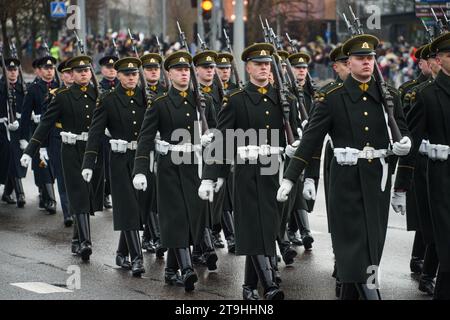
(300,73)
(47,73)
(341,69)
(424,67)
(128,80)
(67,78)
(109,72)
(12,74)
(361,66)
(205,74)
(152,74)
(434,66)
(82,76)
(258,71)
(443,59)
(180,77)
(224,74)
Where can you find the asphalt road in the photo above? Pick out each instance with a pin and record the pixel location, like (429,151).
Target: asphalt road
(35,247)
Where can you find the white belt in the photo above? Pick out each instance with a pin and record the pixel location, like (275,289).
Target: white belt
(122,146)
(349,157)
(424,147)
(72,138)
(163,148)
(3,120)
(438,152)
(253,152)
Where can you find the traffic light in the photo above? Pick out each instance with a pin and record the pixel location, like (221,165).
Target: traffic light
(207,7)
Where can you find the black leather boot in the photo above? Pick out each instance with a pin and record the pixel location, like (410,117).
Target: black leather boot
(427,284)
(228,230)
(367,294)
(156,235)
(294,238)
(197,256)
(20,193)
(41,197)
(172,276)
(416,265)
(188,274)
(135,249)
(217,240)
(122,253)
(249,289)
(107,201)
(7,192)
(147,243)
(430,266)
(209,254)
(442,289)
(276,272)
(84,234)
(301,216)
(75,238)
(287,252)
(50,204)
(349,291)
(265,275)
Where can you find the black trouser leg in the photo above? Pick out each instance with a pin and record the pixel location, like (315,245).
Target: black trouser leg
(418,253)
(171,275)
(430,266)
(349,291)
(7,191)
(208,250)
(50,204)
(122,253)
(135,249)
(189,277)
(20,193)
(84,234)
(287,252)
(153,224)
(442,290)
(302,219)
(367,294)
(292,224)
(228,225)
(75,237)
(265,276)
(250,291)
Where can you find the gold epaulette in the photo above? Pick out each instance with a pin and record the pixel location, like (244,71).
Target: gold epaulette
(164,95)
(334,88)
(59,91)
(235,92)
(58,125)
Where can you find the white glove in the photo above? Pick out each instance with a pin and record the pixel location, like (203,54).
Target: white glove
(206,190)
(304,123)
(300,133)
(402,147)
(219,184)
(25,160)
(309,189)
(23,144)
(107,133)
(43,155)
(284,190)
(37,118)
(87,175)
(399,202)
(291,149)
(13,126)
(206,139)
(140,182)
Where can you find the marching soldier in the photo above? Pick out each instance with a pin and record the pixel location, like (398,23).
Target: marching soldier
(151,239)
(182,214)
(73,108)
(359,188)
(121,111)
(109,82)
(11,99)
(54,146)
(257,214)
(428,119)
(34,107)
(223,69)
(299,220)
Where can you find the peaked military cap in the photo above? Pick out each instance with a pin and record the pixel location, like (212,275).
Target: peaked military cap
(258,52)
(361,45)
(63,67)
(418,53)
(338,55)
(79,62)
(224,60)
(300,59)
(205,58)
(441,43)
(47,61)
(426,53)
(12,63)
(108,61)
(151,60)
(128,65)
(178,59)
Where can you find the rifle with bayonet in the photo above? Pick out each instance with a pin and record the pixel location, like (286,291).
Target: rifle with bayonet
(237,81)
(164,77)
(217,79)
(10,98)
(47,52)
(440,26)
(22,80)
(429,31)
(82,51)
(198,94)
(447,22)
(116,49)
(387,98)
(280,87)
(145,89)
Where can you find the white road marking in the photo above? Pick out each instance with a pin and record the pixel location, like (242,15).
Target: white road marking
(41,287)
